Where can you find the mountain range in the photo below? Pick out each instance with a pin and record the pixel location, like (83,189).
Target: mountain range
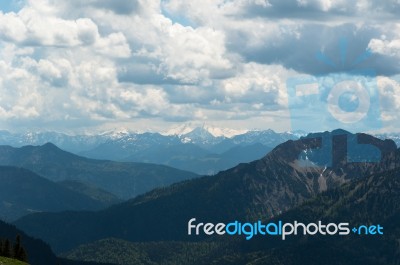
(23,192)
(196,150)
(262,189)
(122,179)
(202,136)
(203,150)
(64,199)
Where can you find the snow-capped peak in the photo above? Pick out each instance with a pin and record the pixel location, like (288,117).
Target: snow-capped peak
(179,130)
(214,131)
(226,132)
(116,133)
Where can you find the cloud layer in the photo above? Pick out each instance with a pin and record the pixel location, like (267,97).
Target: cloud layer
(149,65)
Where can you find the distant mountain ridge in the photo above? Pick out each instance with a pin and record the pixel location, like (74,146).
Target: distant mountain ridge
(125,180)
(85,142)
(23,192)
(258,190)
(196,150)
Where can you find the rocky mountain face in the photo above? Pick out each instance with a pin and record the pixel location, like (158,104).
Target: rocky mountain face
(368,201)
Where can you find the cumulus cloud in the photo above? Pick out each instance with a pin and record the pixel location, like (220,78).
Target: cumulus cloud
(259,85)
(192,55)
(389,89)
(385,47)
(98,63)
(28,27)
(291,32)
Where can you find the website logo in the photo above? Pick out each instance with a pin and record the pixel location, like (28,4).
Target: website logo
(342,99)
(280,229)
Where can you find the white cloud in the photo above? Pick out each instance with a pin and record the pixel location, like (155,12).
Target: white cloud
(191,55)
(385,47)
(153,101)
(389,89)
(98,63)
(258,84)
(31,28)
(19,98)
(114,45)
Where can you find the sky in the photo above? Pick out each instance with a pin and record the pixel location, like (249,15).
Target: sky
(147,65)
